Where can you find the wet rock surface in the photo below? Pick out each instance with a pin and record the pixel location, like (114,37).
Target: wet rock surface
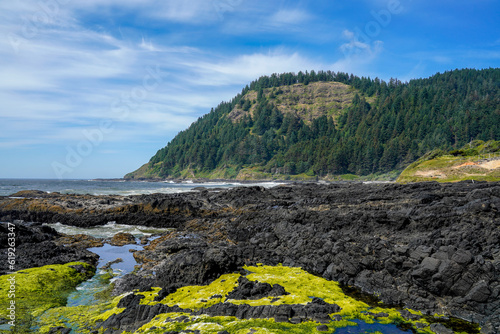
(37,245)
(426,246)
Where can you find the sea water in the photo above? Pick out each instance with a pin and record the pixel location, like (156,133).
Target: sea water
(115,187)
(86,291)
(109,230)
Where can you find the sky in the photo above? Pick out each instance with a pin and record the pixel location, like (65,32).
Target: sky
(92,89)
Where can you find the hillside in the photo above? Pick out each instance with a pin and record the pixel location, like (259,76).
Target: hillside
(478,161)
(327,124)
(306,102)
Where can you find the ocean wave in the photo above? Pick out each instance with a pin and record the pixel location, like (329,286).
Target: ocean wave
(109,230)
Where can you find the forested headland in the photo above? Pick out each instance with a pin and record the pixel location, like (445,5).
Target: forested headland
(324,124)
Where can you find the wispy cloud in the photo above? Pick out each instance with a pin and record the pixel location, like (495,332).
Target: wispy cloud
(68,77)
(192,12)
(359,50)
(245,68)
(289,17)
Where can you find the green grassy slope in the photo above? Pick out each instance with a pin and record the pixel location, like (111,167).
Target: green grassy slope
(478,161)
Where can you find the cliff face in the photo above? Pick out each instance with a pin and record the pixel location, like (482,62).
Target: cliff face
(429,247)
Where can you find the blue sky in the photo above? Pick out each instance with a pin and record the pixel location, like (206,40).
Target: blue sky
(94,88)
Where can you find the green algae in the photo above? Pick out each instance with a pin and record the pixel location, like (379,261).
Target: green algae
(196,297)
(300,285)
(457,325)
(82,318)
(105,280)
(41,295)
(149,296)
(42,288)
(166,321)
(212,325)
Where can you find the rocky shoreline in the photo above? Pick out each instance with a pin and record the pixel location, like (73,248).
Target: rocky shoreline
(430,247)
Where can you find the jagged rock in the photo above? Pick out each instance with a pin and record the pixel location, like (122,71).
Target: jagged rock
(59,330)
(110,263)
(255,290)
(36,245)
(479,292)
(440,329)
(462,257)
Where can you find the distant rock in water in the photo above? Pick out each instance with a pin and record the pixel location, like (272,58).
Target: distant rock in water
(121,239)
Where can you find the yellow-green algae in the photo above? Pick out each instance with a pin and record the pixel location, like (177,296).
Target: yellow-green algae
(41,296)
(196,297)
(42,288)
(83,318)
(212,325)
(300,285)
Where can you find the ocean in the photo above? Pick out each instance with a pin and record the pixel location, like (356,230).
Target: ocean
(111,187)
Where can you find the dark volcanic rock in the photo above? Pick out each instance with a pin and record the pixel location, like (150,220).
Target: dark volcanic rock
(59,330)
(255,290)
(426,246)
(36,246)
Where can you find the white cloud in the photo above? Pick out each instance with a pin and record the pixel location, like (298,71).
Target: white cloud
(246,68)
(260,18)
(287,17)
(147,45)
(358,50)
(442,59)
(193,11)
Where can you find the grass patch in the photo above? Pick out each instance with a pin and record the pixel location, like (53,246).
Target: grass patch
(457,165)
